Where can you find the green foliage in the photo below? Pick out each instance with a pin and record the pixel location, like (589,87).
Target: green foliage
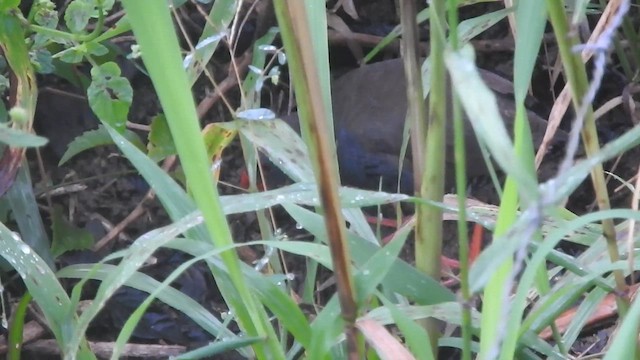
(160,142)
(66,236)
(94,138)
(19,138)
(110,95)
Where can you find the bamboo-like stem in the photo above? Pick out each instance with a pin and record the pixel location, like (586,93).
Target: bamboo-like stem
(577,78)
(292,16)
(428,173)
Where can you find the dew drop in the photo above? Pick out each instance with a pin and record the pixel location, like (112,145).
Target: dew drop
(25,249)
(41,270)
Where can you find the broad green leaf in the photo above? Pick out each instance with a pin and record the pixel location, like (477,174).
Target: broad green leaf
(66,236)
(110,95)
(95,138)
(20,138)
(160,143)
(78,14)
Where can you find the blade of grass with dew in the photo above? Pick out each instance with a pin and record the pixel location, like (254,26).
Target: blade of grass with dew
(552,239)
(272,296)
(215,29)
(448,312)
(252,87)
(172,196)
(305,194)
(470,28)
(43,286)
(176,197)
(170,296)
(482,268)
(163,61)
(481,108)
(530,23)
(136,316)
(402,278)
(27,215)
(291,157)
(251,84)
(135,257)
(372,272)
(480,105)
(177,204)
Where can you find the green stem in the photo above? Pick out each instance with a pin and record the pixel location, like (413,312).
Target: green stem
(577,79)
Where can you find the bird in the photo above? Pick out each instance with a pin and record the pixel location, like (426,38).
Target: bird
(369,111)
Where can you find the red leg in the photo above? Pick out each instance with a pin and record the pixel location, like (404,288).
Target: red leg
(382,221)
(476,242)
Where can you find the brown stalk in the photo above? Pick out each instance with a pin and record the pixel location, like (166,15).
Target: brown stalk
(299,45)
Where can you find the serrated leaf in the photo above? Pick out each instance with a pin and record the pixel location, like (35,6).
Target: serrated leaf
(94,138)
(110,95)
(66,236)
(160,143)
